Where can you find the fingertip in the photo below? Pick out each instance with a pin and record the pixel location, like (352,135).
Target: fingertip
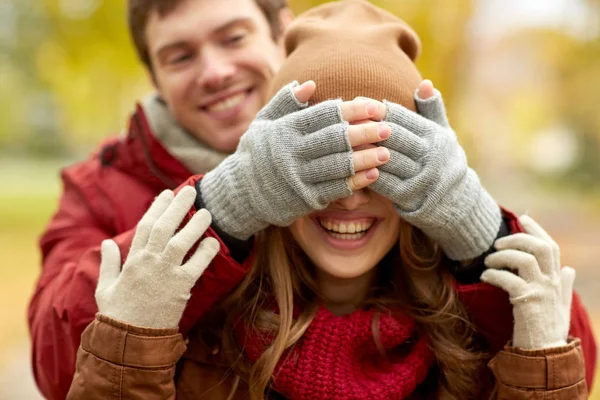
(107,245)
(384,131)
(497,245)
(526,220)
(205,215)
(486,262)
(110,257)
(568,273)
(372,174)
(304,91)
(187,191)
(485,275)
(371,109)
(212,244)
(185,198)
(160,203)
(508,242)
(166,194)
(490,261)
(425,89)
(309,84)
(203,211)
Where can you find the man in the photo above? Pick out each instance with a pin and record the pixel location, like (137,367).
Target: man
(211,63)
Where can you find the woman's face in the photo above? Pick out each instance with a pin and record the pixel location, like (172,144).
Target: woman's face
(351,236)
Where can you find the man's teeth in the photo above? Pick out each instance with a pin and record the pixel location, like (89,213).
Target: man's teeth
(227,103)
(346,229)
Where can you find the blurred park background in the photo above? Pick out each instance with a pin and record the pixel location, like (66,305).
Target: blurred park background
(521,80)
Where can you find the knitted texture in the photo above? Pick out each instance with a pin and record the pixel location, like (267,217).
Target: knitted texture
(154,285)
(431,184)
(541,292)
(195,155)
(337,358)
(351,48)
(292,160)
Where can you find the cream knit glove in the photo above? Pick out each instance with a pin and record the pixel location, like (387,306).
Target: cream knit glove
(541,292)
(154,286)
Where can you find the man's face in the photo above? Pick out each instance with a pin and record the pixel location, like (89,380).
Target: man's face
(213,61)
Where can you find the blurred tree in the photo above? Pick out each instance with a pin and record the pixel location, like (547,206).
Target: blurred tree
(85,58)
(563,90)
(27,112)
(70,75)
(89,63)
(580,88)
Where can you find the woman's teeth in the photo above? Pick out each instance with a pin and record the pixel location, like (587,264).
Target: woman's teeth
(228,103)
(347,236)
(346,230)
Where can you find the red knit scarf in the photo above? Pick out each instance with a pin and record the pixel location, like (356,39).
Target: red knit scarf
(337,358)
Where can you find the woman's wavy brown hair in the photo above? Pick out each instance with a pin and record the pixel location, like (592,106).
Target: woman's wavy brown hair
(411,276)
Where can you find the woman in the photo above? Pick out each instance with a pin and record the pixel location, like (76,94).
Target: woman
(352,301)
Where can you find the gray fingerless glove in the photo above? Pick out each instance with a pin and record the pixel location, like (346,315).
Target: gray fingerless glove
(292,160)
(431,184)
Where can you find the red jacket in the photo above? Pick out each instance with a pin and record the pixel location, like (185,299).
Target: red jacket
(104,197)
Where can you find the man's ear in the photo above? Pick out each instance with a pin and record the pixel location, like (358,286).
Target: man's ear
(286,16)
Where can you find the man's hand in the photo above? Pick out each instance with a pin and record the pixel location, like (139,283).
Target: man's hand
(154,286)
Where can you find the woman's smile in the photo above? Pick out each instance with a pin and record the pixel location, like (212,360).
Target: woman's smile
(346,230)
(351,236)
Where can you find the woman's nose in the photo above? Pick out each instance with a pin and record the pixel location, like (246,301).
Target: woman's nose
(355,200)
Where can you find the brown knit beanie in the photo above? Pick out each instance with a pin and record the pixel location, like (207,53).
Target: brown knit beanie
(351,48)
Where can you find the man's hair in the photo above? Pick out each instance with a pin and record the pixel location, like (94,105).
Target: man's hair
(138,12)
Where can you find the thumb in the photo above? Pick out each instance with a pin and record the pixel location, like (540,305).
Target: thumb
(110,266)
(425,90)
(305,91)
(430,104)
(288,99)
(567,278)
